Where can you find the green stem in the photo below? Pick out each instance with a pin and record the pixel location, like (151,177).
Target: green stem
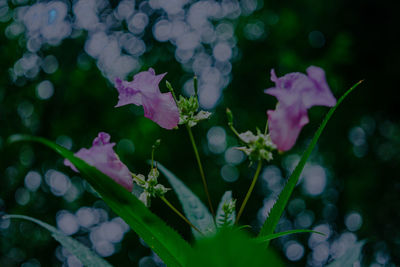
(153,149)
(195,85)
(234,131)
(169,86)
(253,183)
(137,178)
(179,214)
(203,178)
(152,158)
(266,128)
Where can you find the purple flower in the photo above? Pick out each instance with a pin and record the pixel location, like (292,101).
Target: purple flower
(143,91)
(102,156)
(296,92)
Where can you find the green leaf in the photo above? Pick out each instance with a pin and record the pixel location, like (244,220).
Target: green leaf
(277,210)
(276,235)
(167,243)
(232,248)
(223,219)
(194,209)
(83,253)
(351,255)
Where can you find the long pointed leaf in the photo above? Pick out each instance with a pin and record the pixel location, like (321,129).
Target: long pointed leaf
(276,235)
(277,210)
(168,244)
(83,253)
(194,209)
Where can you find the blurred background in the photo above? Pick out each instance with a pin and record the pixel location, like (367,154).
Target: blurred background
(58,62)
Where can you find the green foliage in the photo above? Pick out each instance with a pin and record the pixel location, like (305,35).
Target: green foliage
(277,210)
(351,255)
(84,254)
(168,245)
(226,213)
(194,209)
(276,235)
(232,248)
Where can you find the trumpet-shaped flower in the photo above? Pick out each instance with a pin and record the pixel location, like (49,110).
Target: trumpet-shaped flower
(102,156)
(143,91)
(296,92)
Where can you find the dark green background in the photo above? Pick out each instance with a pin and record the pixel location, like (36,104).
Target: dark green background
(360,44)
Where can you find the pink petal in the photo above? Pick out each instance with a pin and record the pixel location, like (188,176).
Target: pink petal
(274,78)
(284,96)
(296,92)
(147,81)
(102,156)
(102,139)
(321,95)
(162,109)
(127,95)
(143,90)
(312,90)
(285,124)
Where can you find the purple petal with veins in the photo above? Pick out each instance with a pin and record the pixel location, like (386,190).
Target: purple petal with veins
(144,91)
(102,156)
(296,93)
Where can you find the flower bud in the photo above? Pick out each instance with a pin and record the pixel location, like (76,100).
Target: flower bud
(156,144)
(230,116)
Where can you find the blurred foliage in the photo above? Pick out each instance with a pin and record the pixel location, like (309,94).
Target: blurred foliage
(359,44)
(223,250)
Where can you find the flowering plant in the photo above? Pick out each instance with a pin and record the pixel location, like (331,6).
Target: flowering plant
(220,241)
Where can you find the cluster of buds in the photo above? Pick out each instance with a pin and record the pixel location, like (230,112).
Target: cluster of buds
(151,187)
(257,146)
(189,113)
(227,218)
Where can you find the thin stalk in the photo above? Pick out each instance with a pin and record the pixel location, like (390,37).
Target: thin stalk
(266,128)
(195,85)
(229,114)
(203,178)
(140,182)
(234,131)
(179,214)
(137,177)
(153,149)
(169,86)
(152,158)
(253,183)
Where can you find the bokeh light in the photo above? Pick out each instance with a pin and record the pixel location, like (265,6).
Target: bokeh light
(55,55)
